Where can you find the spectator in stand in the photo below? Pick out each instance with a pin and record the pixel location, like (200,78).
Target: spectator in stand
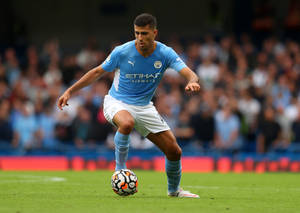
(32,60)
(193,59)
(63,131)
(203,125)
(227,135)
(208,72)
(242,80)
(297,66)
(270,135)
(4,89)
(209,48)
(6,133)
(249,51)
(51,52)
(12,67)
(26,128)
(260,74)
(295,144)
(2,71)
(248,106)
(90,55)
(81,127)
(164,107)
(100,130)
(292,110)
(176,45)
(69,69)
(249,109)
(46,122)
(53,75)
(139,142)
(224,51)
(183,132)
(281,93)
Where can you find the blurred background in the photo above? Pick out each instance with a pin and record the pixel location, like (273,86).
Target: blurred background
(246,54)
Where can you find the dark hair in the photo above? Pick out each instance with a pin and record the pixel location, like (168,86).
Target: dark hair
(145,19)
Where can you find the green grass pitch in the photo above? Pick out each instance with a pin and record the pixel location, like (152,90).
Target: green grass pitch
(88,192)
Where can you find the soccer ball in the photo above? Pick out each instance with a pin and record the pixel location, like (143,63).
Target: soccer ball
(124,182)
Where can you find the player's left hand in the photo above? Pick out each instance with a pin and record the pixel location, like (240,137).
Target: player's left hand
(192,87)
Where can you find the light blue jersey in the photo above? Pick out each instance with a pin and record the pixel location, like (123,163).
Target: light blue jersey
(137,77)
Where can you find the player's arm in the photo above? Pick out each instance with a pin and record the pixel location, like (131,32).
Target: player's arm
(88,78)
(193,80)
(177,64)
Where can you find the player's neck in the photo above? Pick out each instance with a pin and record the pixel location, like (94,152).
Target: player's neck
(146,52)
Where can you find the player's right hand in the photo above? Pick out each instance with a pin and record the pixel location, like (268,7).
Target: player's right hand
(63,100)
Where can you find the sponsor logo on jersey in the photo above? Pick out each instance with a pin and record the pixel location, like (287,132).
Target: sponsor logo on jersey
(130,62)
(142,78)
(157,64)
(141,75)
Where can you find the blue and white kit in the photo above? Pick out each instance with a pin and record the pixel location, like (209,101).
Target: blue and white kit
(136,76)
(136,79)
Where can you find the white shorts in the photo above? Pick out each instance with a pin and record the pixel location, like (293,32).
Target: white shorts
(146,118)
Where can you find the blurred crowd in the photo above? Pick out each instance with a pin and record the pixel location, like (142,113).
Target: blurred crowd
(249,99)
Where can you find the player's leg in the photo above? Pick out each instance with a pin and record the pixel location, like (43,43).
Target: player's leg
(166,142)
(125,123)
(150,124)
(118,114)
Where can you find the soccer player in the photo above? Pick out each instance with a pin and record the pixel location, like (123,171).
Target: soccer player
(139,66)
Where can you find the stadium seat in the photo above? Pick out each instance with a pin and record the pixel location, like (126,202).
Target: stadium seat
(224,165)
(238,167)
(197,164)
(77,163)
(273,166)
(102,163)
(260,167)
(147,165)
(249,164)
(91,165)
(295,166)
(134,163)
(284,163)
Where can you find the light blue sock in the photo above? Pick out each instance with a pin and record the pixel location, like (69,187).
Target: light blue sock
(121,150)
(173,170)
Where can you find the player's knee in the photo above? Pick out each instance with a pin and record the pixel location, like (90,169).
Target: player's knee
(178,153)
(174,153)
(127,126)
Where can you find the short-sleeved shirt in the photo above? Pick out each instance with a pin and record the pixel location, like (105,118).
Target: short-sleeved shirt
(226,126)
(137,77)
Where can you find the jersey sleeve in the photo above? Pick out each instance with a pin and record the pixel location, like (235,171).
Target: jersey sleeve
(111,62)
(174,60)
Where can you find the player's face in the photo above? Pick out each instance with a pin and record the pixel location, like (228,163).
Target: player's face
(145,37)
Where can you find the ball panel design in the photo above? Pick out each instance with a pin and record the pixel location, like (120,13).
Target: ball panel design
(124,182)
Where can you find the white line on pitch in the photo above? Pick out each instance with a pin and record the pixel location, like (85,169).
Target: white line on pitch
(32,179)
(242,188)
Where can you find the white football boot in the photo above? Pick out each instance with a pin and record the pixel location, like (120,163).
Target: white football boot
(183,193)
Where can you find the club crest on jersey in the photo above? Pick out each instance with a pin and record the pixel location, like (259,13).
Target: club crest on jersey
(157,64)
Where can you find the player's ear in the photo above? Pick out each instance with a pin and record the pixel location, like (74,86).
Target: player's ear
(155,32)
